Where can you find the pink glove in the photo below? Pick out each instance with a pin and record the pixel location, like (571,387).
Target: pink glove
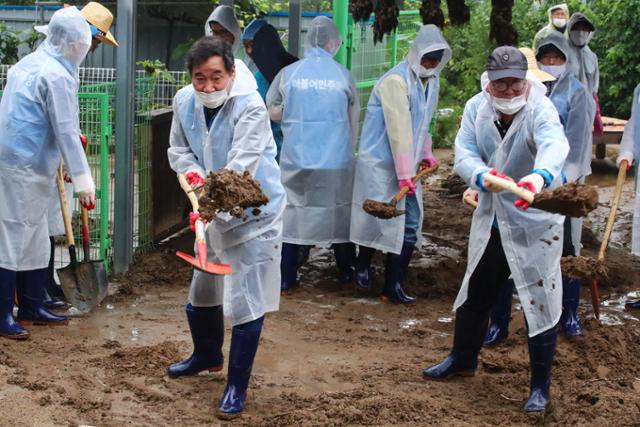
(194,179)
(87,199)
(193,217)
(428,162)
(598,126)
(534,183)
(407,183)
(84,141)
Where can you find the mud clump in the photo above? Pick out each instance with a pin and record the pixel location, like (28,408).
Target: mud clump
(454,184)
(232,192)
(574,200)
(584,268)
(380,209)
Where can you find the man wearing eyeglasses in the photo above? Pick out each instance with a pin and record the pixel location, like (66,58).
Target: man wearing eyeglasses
(510,127)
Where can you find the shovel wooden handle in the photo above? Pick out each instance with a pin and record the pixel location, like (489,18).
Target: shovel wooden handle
(195,207)
(510,186)
(622,174)
(404,190)
(64,207)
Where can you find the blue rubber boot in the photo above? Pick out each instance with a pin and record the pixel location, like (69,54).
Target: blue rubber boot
(542,349)
(303,254)
(207,332)
(31,297)
(54,296)
(632,305)
(244,345)
(289,267)
(469,332)
(364,269)
(396,267)
(570,300)
(9,328)
(345,254)
(500,316)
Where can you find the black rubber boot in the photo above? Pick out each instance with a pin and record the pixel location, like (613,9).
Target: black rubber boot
(244,345)
(345,254)
(542,349)
(364,269)
(569,320)
(500,316)
(207,332)
(469,333)
(9,328)
(54,290)
(31,299)
(396,267)
(289,267)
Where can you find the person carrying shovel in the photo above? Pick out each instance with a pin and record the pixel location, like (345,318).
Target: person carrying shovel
(38,122)
(630,151)
(395,143)
(513,128)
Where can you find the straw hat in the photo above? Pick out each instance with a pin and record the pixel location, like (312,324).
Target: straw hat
(100,17)
(543,76)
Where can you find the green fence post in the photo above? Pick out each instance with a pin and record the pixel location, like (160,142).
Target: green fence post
(341,19)
(105,138)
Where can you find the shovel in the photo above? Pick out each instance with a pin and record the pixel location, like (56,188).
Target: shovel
(572,200)
(385,210)
(83,284)
(201,263)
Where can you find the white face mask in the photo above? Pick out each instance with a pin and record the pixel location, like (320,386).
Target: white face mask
(424,73)
(555,70)
(213,99)
(559,22)
(509,106)
(579,37)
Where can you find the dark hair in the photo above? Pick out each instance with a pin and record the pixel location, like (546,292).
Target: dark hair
(205,48)
(542,50)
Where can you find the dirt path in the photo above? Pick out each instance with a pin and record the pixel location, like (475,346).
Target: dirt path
(327,358)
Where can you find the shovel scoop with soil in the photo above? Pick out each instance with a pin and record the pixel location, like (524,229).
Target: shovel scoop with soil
(232,192)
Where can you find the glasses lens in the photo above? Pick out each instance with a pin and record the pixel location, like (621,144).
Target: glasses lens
(518,86)
(499,86)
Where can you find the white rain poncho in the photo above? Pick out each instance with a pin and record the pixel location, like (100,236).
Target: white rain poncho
(630,149)
(225,16)
(577,110)
(550,28)
(532,239)
(38,122)
(239,139)
(317,102)
(394,140)
(582,62)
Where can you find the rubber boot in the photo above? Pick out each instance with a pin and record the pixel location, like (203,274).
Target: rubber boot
(570,299)
(289,267)
(244,345)
(9,328)
(51,302)
(396,267)
(364,269)
(303,254)
(500,316)
(469,332)
(345,254)
(632,305)
(207,332)
(53,289)
(542,348)
(31,295)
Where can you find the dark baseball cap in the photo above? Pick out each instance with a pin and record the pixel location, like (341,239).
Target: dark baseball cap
(506,61)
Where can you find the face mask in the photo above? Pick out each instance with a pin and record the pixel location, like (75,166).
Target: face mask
(579,37)
(509,106)
(213,99)
(424,73)
(555,70)
(559,22)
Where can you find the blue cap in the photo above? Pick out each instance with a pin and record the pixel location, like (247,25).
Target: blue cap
(252,29)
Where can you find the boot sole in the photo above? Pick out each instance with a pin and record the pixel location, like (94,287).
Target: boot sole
(464,374)
(388,300)
(540,417)
(227,416)
(17,337)
(42,323)
(213,369)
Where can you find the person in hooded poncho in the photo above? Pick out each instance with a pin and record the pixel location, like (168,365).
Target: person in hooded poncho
(394,144)
(39,126)
(513,128)
(220,121)
(558,16)
(263,45)
(576,109)
(316,102)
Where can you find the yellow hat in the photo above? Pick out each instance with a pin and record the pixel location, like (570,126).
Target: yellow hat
(532,63)
(100,17)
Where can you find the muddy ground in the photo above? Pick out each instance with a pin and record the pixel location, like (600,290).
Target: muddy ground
(329,357)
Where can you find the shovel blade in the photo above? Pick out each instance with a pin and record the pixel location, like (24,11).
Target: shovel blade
(85,284)
(209,267)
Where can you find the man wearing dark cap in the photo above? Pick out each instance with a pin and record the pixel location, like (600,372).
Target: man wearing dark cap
(510,127)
